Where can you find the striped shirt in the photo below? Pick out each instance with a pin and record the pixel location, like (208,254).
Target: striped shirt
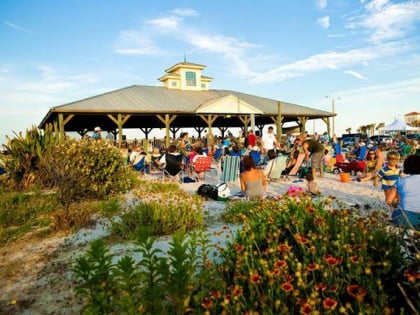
(389,177)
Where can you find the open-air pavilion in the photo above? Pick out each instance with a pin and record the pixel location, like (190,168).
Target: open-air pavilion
(184,101)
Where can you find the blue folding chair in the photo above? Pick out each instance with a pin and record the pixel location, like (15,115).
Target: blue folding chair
(256,157)
(139,163)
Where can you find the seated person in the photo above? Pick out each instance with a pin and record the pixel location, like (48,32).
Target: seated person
(408,212)
(155,156)
(198,153)
(253,182)
(311,185)
(371,167)
(171,161)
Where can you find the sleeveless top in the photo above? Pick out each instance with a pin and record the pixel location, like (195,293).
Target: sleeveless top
(254,189)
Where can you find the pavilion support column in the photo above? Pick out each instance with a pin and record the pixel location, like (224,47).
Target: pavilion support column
(174,130)
(209,120)
(245,120)
(167,120)
(146,131)
(277,120)
(62,123)
(199,130)
(119,121)
(302,123)
(222,131)
(260,129)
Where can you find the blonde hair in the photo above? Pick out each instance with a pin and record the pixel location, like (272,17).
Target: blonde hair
(393,155)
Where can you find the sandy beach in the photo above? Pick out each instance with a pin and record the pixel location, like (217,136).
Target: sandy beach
(45,286)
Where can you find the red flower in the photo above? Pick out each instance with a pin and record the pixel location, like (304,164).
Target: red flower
(306,309)
(280,264)
(312,267)
(357,292)
(284,247)
(239,247)
(207,303)
(354,259)
(237,291)
(287,287)
(255,278)
(332,261)
(333,288)
(412,276)
(320,286)
(329,304)
(301,239)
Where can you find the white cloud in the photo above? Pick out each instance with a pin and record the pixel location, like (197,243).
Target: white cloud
(322,4)
(328,60)
(185,12)
(355,74)
(324,22)
(134,43)
(17,27)
(387,21)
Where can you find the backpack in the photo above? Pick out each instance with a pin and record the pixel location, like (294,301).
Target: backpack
(208,191)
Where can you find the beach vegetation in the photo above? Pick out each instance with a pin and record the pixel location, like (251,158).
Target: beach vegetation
(25,153)
(290,256)
(163,209)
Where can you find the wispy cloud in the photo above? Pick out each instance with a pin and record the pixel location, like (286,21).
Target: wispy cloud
(385,20)
(17,27)
(322,4)
(355,74)
(241,54)
(328,60)
(324,22)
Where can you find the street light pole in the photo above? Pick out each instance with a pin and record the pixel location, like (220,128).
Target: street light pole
(333,112)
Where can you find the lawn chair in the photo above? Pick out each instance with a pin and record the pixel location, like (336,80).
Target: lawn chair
(230,168)
(277,167)
(256,156)
(218,154)
(139,163)
(173,167)
(202,165)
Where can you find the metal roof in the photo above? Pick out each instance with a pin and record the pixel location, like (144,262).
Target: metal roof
(152,100)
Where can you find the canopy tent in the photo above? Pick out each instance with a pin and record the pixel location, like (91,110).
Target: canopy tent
(398,125)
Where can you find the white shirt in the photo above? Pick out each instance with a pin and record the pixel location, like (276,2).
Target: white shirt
(269,138)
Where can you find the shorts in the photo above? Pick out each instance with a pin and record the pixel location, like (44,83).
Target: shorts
(317,159)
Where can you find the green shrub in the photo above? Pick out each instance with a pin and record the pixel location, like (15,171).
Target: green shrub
(160,218)
(84,169)
(26,152)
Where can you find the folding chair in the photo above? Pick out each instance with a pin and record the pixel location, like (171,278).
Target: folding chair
(173,167)
(230,171)
(202,164)
(256,156)
(139,163)
(217,154)
(277,167)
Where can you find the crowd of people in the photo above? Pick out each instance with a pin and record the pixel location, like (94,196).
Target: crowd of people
(389,163)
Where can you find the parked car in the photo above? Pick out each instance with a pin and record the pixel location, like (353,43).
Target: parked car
(380,138)
(348,142)
(413,136)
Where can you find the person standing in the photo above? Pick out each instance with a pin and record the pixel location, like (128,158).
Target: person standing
(269,140)
(251,138)
(314,150)
(389,175)
(97,133)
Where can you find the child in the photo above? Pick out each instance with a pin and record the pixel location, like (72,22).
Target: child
(312,186)
(389,175)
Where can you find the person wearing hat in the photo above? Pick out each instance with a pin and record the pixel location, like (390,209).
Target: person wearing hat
(96,133)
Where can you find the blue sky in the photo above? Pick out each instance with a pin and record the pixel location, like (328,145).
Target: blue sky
(364,54)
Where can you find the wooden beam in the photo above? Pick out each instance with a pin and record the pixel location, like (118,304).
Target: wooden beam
(61,125)
(167,120)
(209,120)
